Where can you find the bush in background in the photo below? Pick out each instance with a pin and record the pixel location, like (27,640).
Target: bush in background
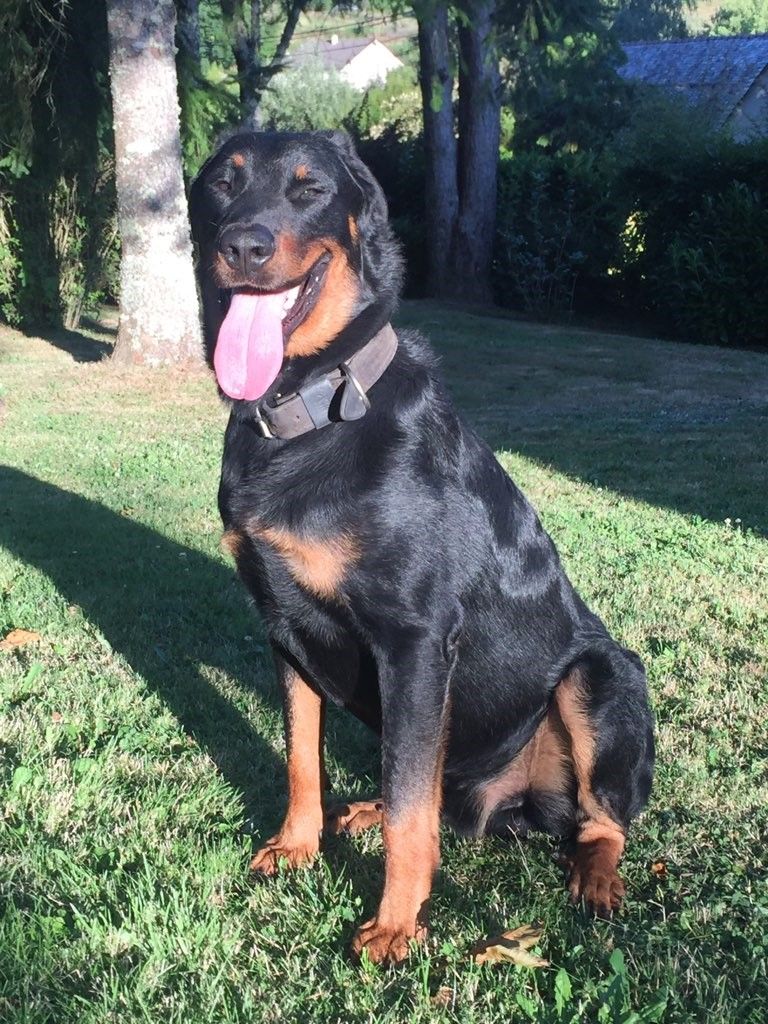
(310,98)
(556,230)
(693,198)
(664,226)
(715,276)
(58,239)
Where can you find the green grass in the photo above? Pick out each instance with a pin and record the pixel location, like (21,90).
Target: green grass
(141,744)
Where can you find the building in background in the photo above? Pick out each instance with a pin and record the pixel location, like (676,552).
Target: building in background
(726,77)
(360,62)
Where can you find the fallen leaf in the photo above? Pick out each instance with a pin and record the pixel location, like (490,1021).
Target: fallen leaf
(511,947)
(56,716)
(17,638)
(659,868)
(443,997)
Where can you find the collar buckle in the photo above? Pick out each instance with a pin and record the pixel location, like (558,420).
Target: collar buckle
(355,403)
(261,423)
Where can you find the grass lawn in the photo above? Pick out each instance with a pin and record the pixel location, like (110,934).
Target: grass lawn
(141,744)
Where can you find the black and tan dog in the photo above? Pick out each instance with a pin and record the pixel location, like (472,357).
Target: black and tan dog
(399,571)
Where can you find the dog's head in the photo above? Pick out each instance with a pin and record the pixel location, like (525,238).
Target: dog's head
(293,245)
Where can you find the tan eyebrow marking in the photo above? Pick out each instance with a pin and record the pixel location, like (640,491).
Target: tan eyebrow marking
(302,171)
(238,159)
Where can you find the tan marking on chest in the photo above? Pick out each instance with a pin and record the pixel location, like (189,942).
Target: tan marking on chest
(317,565)
(232,541)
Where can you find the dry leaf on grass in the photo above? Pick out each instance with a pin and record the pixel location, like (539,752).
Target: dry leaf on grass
(443,996)
(659,868)
(511,947)
(17,638)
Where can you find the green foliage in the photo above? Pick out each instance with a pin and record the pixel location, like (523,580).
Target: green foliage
(58,243)
(30,31)
(676,177)
(740,18)
(557,226)
(215,39)
(634,20)
(207,104)
(10,263)
(395,104)
(561,81)
(397,161)
(310,98)
(716,270)
(537,256)
(665,223)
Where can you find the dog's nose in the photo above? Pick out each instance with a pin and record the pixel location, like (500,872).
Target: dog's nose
(246,248)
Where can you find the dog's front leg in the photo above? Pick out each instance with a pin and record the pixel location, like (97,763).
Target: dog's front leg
(298,840)
(414,688)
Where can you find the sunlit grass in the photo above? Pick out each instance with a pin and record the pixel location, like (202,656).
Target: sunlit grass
(141,736)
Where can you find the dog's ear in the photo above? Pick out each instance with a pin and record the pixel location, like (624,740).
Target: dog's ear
(196,200)
(373,213)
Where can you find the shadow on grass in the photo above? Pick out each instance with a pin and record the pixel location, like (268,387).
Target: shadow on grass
(167,609)
(82,347)
(672,425)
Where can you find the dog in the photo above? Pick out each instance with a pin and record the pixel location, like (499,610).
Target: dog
(399,571)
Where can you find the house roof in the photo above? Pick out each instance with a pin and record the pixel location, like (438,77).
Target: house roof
(713,72)
(335,55)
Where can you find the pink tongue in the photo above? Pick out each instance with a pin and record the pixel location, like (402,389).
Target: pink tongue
(249,349)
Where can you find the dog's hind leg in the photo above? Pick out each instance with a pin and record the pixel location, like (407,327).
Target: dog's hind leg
(298,840)
(603,705)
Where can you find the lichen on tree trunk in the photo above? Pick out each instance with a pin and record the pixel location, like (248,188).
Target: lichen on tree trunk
(159,320)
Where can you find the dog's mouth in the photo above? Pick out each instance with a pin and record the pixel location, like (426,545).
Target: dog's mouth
(296,301)
(257,324)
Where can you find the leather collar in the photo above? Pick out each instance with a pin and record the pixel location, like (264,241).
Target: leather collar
(340,395)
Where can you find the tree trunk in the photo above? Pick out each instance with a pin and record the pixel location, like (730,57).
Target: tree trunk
(441,186)
(253,76)
(158,299)
(244,50)
(188,30)
(479,128)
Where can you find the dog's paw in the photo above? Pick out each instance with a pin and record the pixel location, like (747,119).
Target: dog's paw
(599,886)
(294,855)
(386,944)
(352,818)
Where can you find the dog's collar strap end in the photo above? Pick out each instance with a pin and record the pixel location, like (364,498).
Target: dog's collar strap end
(341,395)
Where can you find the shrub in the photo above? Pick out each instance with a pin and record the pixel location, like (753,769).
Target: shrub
(59,247)
(556,231)
(309,98)
(394,104)
(716,270)
(57,236)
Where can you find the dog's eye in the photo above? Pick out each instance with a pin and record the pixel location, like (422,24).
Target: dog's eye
(311,192)
(223,186)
